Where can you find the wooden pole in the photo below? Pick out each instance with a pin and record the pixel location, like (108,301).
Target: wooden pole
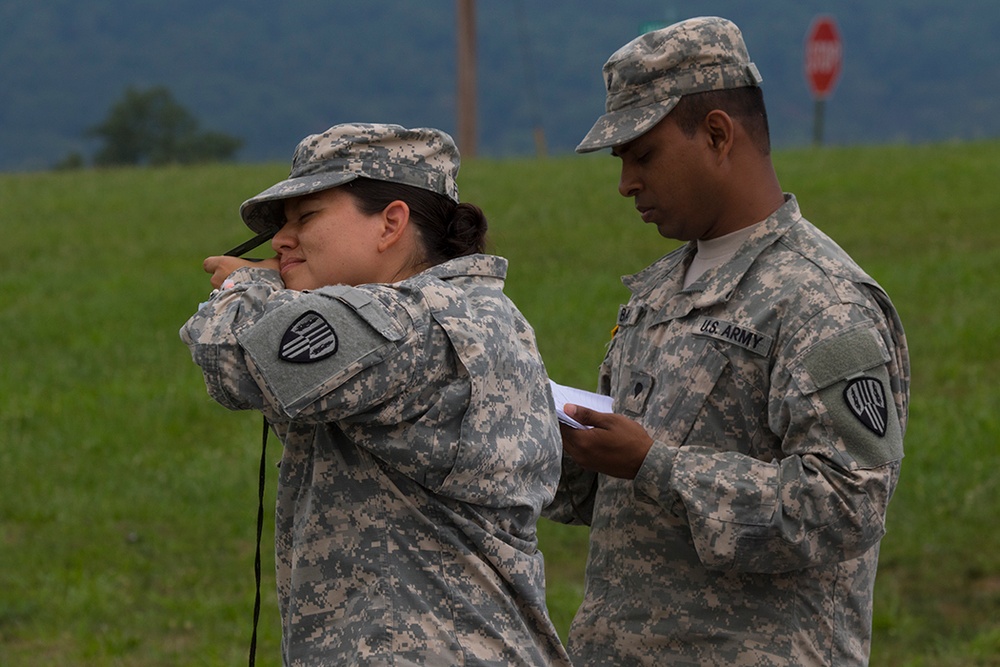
(466,93)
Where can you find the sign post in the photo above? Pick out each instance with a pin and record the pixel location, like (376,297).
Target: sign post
(824,54)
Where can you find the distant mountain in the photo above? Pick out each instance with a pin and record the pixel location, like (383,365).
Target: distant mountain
(270,72)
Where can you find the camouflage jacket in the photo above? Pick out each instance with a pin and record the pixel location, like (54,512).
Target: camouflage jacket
(420,445)
(776,390)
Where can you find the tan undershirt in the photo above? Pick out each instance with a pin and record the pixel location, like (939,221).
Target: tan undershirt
(715,252)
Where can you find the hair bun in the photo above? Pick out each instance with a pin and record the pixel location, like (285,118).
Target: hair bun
(466,233)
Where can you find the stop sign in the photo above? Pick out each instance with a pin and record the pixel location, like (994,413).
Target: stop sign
(824,54)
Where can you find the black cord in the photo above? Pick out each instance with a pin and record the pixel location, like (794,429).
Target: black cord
(247,246)
(260,528)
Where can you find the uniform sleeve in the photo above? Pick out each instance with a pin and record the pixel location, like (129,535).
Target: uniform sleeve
(210,335)
(824,498)
(574,498)
(308,356)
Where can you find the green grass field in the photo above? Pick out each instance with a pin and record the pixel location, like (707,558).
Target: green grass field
(129,498)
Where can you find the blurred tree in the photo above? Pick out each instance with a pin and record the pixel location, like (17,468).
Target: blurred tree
(72,161)
(150,127)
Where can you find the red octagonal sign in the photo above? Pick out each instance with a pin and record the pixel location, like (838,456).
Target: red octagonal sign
(824,54)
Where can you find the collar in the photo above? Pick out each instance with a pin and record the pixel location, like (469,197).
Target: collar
(662,281)
(489,266)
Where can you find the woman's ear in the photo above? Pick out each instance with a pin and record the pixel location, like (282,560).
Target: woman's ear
(395,219)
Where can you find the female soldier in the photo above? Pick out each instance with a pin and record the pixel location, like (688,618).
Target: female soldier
(420,442)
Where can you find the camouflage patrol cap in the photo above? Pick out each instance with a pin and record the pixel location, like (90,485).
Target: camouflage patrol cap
(422,157)
(647,77)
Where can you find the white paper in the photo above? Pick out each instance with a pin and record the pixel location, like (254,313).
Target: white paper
(562,395)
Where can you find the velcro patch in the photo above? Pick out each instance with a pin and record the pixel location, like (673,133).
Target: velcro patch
(865,397)
(309,338)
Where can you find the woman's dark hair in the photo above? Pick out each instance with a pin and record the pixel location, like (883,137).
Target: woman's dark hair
(448,230)
(744,104)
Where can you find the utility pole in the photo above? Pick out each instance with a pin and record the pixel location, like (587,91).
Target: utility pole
(466,93)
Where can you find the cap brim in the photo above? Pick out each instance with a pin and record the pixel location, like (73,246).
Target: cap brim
(620,127)
(266,211)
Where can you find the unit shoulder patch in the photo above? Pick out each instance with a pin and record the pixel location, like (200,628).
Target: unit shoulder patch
(309,338)
(866,399)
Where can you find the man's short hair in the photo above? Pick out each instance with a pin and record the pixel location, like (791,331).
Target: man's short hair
(745,105)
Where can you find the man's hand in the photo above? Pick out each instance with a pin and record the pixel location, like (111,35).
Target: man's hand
(616,446)
(220,266)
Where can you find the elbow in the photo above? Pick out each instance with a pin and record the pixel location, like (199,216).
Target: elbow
(226,378)
(786,545)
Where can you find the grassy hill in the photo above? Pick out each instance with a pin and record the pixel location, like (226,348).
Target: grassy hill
(127,518)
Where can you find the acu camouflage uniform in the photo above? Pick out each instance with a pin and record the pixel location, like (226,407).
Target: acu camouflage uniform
(775,388)
(417,457)
(420,438)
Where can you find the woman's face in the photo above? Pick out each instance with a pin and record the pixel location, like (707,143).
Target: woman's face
(326,240)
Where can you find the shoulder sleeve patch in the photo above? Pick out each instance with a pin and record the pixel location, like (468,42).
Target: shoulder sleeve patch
(864,417)
(865,398)
(849,378)
(309,338)
(309,347)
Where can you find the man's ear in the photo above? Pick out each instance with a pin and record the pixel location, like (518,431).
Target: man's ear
(395,219)
(720,132)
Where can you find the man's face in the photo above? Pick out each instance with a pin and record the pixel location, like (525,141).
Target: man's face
(670,177)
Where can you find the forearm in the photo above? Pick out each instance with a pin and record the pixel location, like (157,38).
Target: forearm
(211,335)
(574,499)
(754,516)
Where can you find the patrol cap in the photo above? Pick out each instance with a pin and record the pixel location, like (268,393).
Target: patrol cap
(422,157)
(647,77)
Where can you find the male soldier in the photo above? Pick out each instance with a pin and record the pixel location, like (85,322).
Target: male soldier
(760,380)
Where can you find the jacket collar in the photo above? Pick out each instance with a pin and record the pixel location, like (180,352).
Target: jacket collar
(489,266)
(661,283)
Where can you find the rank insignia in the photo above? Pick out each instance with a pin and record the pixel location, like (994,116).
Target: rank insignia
(309,338)
(866,399)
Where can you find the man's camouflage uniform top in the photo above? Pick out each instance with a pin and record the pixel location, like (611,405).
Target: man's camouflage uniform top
(419,447)
(775,388)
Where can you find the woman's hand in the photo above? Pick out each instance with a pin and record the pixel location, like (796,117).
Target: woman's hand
(220,266)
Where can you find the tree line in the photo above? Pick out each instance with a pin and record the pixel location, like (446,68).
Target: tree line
(150,128)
